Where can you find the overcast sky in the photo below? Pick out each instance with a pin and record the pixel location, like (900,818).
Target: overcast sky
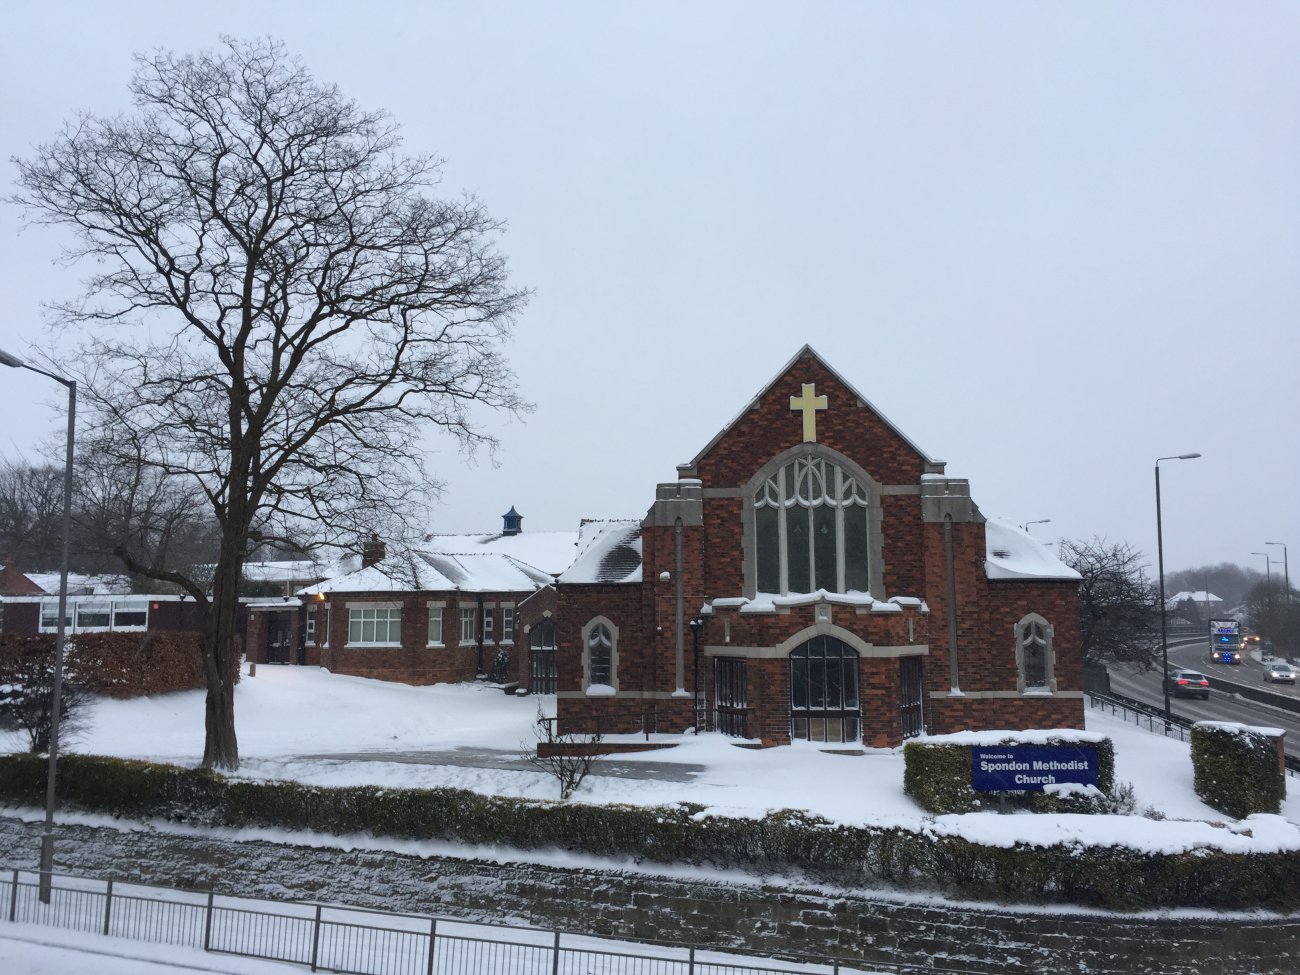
(1051,242)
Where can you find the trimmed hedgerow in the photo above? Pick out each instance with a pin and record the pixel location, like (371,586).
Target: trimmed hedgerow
(937,774)
(1237,769)
(790,842)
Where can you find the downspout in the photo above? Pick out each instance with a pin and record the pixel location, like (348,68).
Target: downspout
(681,603)
(952,604)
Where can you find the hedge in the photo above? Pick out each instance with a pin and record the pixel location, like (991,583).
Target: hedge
(120,664)
(788,842)
(937,774)
(1237,769)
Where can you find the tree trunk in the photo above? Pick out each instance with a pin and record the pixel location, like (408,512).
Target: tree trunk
(220,665)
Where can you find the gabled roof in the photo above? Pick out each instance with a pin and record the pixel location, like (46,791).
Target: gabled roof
(463,563)
(808,350)
(611,555)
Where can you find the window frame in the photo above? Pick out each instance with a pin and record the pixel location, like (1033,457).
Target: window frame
(870,492)
(594,624)
(468,624)
(436,611)
(1027,631)
(508,624)
(392,618)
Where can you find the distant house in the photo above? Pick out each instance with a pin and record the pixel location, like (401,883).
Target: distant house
(1206,602)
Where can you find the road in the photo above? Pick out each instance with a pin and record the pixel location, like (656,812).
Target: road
(1223,705)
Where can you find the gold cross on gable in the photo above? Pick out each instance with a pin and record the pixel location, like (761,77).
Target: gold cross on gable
(809,403)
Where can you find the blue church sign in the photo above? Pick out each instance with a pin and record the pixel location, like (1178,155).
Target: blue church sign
(1027,768)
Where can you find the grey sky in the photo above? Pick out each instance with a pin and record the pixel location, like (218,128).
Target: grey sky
(1052,242)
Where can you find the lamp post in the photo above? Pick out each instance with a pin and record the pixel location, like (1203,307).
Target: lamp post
(1268,580)
(697,627)
(1038,521)
(1286,571)
(1164,612)
(56,706)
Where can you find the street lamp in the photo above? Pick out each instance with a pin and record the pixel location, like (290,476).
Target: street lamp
(1039,521)
(47,835)
(1286,570)
(1164,612)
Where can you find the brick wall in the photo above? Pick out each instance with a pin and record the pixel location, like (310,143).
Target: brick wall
(738,913)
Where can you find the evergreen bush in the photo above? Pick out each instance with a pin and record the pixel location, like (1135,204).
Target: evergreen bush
(1237,769)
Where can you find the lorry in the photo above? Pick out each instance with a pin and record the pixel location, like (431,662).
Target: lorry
(1225,641)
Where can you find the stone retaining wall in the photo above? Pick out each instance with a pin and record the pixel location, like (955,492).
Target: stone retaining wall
(739,912)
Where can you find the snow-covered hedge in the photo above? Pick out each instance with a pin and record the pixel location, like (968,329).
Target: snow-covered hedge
(1237,769)
(792,844)
(937,772)
(122,665)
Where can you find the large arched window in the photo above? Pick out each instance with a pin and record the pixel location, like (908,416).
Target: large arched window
(811,529)
(824,691)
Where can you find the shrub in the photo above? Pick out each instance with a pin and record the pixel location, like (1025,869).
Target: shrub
(937,774)
(1237,769)
(116,664)
(790,842)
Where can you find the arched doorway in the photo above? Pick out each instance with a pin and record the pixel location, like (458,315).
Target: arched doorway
(824,702)
(543,677)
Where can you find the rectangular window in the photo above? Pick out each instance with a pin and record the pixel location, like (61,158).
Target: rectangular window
(466,625)
(325,627)
(489,628)
(435,626)
(50,616)
(507,624)
(130,614)
(311,628)
(380,626)
(92,616)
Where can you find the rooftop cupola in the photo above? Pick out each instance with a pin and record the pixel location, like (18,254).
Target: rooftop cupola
(513,522)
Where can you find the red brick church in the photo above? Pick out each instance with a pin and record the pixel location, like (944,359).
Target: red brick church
(812,574)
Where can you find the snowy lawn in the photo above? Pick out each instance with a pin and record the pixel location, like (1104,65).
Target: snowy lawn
(289,716)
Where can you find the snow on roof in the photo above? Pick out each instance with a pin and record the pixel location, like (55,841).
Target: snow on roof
(612,554)
(464,563)
(299,570)
(1014,554)
(105,584)
(1200,596)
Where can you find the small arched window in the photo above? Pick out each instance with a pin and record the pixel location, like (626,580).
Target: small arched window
(810,529)
(600,656)
(1035,660)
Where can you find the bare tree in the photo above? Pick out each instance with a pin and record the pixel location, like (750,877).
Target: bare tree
(302,311)
(569,757)
(1118,605)
(31,514)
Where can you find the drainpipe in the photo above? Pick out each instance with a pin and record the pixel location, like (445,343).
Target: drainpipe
(952,603)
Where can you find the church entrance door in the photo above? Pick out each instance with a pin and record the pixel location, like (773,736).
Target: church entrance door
(824,691)
(731,711)
(543,674)
(277,638)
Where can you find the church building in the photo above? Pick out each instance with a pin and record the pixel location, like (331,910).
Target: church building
(813,574)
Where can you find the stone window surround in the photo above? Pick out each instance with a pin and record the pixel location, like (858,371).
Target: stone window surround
(591,624)
(507,616)
(1049,653)
(749,543)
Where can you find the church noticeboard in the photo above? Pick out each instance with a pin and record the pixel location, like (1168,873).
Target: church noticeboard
(1027,768)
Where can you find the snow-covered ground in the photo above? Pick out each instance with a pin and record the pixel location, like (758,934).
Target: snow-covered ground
(287,717)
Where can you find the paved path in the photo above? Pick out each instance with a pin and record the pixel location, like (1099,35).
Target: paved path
(502,758)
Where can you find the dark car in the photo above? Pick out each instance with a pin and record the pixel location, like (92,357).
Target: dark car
(1188,683)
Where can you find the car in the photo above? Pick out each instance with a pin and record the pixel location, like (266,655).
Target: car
(1188,683)
(1280,673)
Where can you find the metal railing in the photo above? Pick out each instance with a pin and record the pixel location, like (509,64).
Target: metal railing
(360,941)
(1153,719)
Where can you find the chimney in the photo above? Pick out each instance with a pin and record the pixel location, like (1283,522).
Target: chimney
(373,552)
(513,522)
